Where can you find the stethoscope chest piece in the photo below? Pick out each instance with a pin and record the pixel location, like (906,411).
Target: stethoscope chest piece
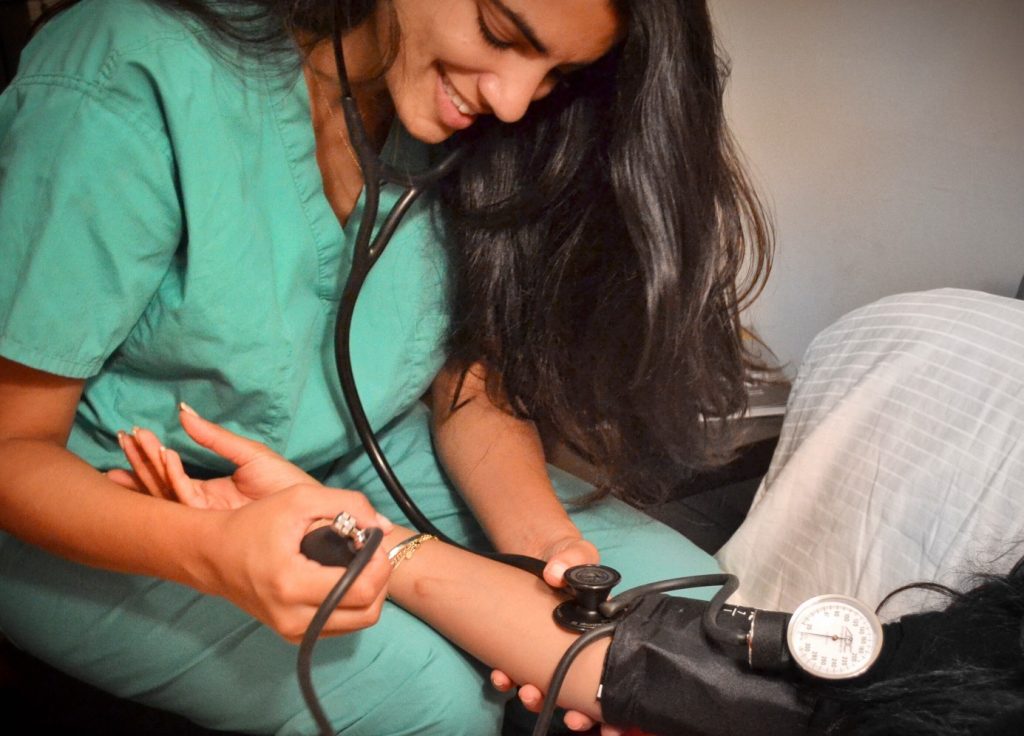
(590,586)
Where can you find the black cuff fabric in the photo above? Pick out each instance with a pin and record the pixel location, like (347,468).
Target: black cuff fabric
(664,676)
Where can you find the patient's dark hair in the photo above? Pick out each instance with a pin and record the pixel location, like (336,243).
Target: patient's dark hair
(601,248)
(967,675)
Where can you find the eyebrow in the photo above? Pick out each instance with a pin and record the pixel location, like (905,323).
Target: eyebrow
(520,22)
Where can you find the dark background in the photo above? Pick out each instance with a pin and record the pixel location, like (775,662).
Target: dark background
(14,30)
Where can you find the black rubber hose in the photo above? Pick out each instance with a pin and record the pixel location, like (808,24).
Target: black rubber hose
(305,662)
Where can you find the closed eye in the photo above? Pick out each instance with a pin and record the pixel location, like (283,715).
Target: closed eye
(489,37)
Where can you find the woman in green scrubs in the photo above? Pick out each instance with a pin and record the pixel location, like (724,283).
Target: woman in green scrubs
(177,210)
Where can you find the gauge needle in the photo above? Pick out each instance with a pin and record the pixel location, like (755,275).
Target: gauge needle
(833,637)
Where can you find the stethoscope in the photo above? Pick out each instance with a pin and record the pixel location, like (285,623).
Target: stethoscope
(342,543)
(765,639)
(367,250)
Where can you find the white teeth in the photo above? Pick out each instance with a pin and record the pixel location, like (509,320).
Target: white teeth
(460,104)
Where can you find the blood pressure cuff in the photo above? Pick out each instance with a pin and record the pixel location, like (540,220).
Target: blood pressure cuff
(665,677)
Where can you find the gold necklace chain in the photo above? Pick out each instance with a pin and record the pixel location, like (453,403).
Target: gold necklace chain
(340,188)
(343,134)
(342,128)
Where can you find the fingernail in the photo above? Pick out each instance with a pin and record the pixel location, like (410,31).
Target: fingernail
(557,569)
(188,409)
(163,451)
(384,523)
(135,431)
(575,724)
(120,438)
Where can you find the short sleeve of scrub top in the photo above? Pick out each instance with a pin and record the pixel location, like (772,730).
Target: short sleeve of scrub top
(166,237)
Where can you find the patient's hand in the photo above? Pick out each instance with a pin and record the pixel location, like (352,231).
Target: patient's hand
(532,698)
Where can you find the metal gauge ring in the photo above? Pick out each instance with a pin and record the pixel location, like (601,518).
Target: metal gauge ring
(834,637)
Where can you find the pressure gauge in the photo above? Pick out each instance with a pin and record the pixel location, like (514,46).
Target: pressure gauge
(834,637)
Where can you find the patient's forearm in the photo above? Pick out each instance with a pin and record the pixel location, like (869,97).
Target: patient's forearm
(499,614)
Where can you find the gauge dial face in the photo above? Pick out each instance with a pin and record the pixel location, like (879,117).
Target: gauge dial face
(834,637)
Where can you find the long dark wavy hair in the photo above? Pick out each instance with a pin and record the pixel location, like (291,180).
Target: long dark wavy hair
(967,681)
(606,245)
(602,248)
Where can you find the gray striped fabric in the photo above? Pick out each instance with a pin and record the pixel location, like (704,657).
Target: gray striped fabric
(901,457)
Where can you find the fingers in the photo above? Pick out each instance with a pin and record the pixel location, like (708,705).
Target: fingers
(342,621)
(184,489)
(214,437)
(142,449)
(257,562)
(568,554)
(346,620)
(531,698)
(159,470)
(576,721)
(126,480)
(359,608)
(153,451)
(315,503)
(501,682)
(554,573)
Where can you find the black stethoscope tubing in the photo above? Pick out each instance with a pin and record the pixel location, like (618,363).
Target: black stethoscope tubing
(366,251)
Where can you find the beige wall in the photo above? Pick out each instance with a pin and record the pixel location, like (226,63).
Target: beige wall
(888,137)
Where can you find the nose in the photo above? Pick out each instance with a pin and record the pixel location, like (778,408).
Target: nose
(509,92)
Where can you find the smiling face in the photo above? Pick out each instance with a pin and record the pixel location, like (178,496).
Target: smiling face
(460,59)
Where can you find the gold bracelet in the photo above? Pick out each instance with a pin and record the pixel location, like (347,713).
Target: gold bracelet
(407,548)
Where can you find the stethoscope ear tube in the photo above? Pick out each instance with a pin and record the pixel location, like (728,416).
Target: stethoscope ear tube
(368,248)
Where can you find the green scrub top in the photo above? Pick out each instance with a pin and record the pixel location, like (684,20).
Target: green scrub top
(165,235)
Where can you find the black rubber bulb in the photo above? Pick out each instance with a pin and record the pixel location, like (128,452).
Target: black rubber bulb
(327,547)
(590,585)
